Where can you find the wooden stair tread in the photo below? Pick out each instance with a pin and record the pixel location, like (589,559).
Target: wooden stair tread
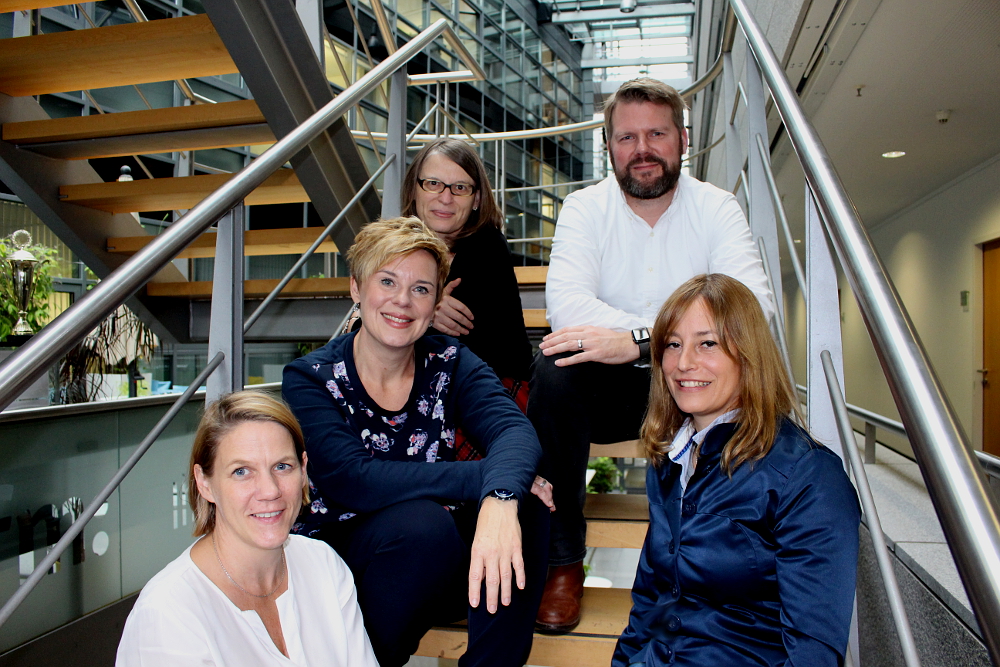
(292,241)
(167,194)
(8,6)
(616,507)
(627,449)
(194,127)
(118,55)
(256,289)
(534,318)
(604,615)
(531,275)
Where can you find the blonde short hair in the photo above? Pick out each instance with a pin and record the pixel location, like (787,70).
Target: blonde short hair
(644,89)
(383,241)
(766,395)
(220,418)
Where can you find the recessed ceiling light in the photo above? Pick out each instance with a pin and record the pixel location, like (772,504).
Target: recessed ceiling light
(892,154)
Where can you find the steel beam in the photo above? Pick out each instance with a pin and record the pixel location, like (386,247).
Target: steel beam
(594,63)
(226,332)
(272,50)
(615,14)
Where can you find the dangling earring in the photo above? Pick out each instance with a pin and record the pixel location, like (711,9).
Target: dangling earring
(353,317)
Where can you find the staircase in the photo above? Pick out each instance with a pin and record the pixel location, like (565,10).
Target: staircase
(46,164)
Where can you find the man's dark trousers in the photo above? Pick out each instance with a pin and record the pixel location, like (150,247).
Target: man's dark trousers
(572,407)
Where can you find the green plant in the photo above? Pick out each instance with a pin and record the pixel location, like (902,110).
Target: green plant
(115,346)
(606,476)
(38,307)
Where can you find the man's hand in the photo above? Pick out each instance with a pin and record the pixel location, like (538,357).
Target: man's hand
(598,344)
(451,315)
(543,489)
(496,550)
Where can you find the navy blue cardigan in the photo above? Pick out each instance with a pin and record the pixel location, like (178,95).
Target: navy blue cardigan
(353,476)
(755,570)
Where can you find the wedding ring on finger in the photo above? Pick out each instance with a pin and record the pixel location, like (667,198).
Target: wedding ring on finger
(579,344)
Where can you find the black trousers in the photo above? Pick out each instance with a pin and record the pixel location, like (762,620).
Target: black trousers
(572,407)
(411,567)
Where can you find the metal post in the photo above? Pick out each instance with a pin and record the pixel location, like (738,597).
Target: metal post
(761,213)
(226,324)
(395,144)
(311,14)
(734,155)
(869,442)
(823,330)
(793,255)
(882,556)
(777,321)
(446,109)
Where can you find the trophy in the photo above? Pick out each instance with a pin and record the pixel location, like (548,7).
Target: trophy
(22,278)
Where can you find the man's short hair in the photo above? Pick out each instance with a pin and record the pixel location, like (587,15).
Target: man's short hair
(645,89)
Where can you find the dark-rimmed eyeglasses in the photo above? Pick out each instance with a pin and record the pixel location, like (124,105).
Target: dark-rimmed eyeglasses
(435,186)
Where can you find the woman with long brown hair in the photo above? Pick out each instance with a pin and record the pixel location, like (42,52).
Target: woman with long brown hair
(751,553)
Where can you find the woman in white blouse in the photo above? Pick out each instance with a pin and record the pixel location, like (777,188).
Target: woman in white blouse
(247,593)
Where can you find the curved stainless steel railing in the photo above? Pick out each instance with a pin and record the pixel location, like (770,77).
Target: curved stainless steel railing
(967,515)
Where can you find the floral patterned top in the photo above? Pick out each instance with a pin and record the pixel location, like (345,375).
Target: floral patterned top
(361,456)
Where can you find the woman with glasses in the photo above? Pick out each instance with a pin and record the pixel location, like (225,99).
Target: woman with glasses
(447,187)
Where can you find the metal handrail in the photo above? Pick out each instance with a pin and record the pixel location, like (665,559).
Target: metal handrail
(967,514)
(74,530)
(316,244)
(896,607)
(24,366)
(989,462)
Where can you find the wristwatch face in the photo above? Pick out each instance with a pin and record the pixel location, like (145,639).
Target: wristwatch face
(502,494)
(640,335)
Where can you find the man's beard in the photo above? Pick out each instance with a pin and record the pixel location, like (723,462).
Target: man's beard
(651,189)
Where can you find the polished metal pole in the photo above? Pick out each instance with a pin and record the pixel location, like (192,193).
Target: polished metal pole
(899,617)
(942,449)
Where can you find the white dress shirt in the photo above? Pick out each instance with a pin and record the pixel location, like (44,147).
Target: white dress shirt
(182,619)
(610,269)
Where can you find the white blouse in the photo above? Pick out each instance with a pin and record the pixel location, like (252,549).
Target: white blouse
(182,618)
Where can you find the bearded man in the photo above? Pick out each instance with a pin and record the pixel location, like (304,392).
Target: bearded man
(621,248)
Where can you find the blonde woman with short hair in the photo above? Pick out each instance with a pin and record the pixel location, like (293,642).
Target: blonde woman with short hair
(430,538)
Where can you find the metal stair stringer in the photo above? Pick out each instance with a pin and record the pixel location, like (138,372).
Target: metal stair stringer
(270,47)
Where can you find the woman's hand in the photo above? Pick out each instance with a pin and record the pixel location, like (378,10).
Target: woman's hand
(496,550)
(451,315)
(542,488)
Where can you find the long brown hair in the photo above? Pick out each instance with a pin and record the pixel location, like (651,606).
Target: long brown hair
(461,154)
(766,395)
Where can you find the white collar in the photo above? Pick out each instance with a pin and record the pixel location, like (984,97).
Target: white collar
(687,440)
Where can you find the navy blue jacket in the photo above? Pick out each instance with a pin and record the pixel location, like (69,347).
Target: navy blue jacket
(755,570)
(353,477)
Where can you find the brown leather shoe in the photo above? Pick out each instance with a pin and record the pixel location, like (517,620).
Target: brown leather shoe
(560,609)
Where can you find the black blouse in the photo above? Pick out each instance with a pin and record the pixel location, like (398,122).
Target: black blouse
(489,289)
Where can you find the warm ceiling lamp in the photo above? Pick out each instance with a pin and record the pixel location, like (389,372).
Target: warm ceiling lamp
(892,154)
